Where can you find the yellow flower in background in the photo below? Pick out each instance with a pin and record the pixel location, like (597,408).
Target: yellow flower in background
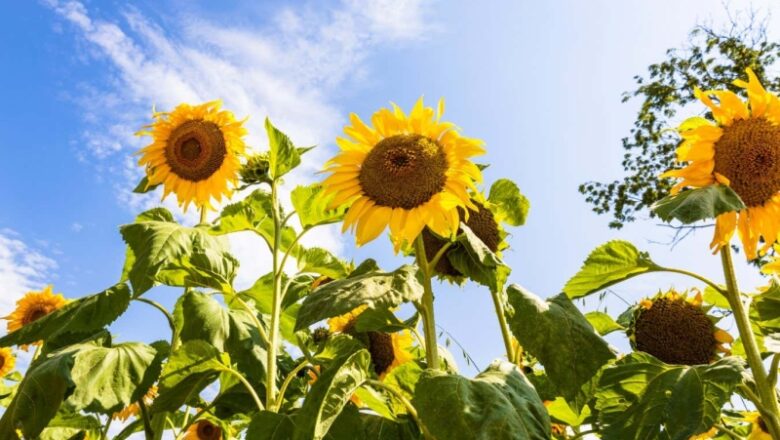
(33,306)
(741,149)
(7,361)
(705,435)
(403,171)
(758,430)
(345,322)
(134,409)
(194,153)
(203,430)
(676,329)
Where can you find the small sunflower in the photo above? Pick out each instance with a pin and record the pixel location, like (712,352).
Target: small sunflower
(7,361)
(33,306)
(741,149)
(482,221)
(194,152)
(405,172)
(705,435)
(203,430)
(758,430)
(134,409)
(677,330)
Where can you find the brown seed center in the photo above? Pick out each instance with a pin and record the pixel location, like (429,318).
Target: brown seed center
(208,431)
(748,154)
(676,332)
(380,345)
(36,313)
(195,150)
(404,171)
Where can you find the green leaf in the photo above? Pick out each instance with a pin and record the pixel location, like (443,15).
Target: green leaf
(143,186)
(283,155)
(313,206)
(610,263)
(378,290)
(474,259)
(561,411)
(559,336)
(261,293)
(67,425)
(378,320)
(254,213)
(498,404)
(640,397)
(603,323)
(765,309)
(189,370)
(167,253)
(321,261)
(715,298)
(329,394)
(84,315)
(697,204)
(337,346)
(380,428)
(268,425)
(511,205)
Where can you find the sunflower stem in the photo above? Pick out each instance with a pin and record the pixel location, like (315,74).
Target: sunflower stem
(426,307)
(498,302)
(270,380)
(773,369)
(766,392)
(148,431)
(203,215)
(248,387)
(287,381)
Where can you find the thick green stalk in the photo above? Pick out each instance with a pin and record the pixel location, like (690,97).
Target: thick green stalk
(426,307)
(276,305)
(498,302)
(766,391)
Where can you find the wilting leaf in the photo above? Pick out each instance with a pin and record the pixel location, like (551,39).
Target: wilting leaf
(283,155)
(603,323)
(608,264)
(498,404)
(474,259)
(171,254)
(640,397)
(378,290)
(692,205)
(511,203)
(557,334)
(332,390)
(84,315)
(313,206)
(190,369)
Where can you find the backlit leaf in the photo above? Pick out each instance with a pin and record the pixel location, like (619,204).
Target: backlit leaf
(608,264)
(692,205)
(512,206)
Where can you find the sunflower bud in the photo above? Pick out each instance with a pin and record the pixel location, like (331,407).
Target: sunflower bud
(255,170)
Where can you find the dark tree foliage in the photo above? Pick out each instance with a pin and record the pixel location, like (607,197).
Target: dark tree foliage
(711,60)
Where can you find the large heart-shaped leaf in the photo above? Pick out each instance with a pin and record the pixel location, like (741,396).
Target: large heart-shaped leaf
(84,315)
(498,404)
(698,204)
(641,398)
(376,289)
(608,264)
(556,333)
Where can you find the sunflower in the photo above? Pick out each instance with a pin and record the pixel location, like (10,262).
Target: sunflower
(133,409)
(7,361)
(482,221)
(405,172)
(705,435)
(203,430)
(388,350)
(194,152)
(759,430)
(33,306)
(741,149)
(677,330)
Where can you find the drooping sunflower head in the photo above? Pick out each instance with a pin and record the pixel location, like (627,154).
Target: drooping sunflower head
(134,409)
(7,361)
(389,350)
(203,430)
(33,306)
(405,172)
(346,322)
(676,329)
(741,149)
(482,221)
(758,429)
(194,153)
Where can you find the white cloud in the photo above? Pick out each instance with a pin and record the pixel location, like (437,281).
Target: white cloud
(22,269)
(288,69)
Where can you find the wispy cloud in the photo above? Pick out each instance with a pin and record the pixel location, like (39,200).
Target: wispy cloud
(22,268)
(288,68)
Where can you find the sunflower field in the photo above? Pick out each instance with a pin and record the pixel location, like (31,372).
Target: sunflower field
(317,347)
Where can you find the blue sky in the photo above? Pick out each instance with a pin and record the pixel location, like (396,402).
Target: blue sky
(540,82)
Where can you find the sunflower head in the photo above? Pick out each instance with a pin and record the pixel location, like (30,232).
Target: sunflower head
(134,409)
(203,430)
(7,361)
(482,221)
(405,172)
(676,329)
(758,429)
(740,148)
(709,435)
(33,306)
(346,322)
(320,334)
(194,152)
